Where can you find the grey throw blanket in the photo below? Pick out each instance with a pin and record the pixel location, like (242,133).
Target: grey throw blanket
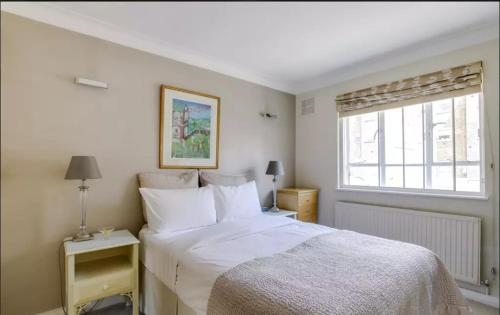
(341,272)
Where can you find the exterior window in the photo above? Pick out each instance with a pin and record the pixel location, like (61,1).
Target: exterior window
(432,148)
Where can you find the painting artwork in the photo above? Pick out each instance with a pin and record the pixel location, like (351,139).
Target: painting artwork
(189,129)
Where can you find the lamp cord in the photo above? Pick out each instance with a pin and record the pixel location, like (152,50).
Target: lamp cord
(61,284)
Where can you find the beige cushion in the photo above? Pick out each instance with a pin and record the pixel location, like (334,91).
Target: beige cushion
(221,180)
(173,179)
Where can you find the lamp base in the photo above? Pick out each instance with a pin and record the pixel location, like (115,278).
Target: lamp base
(83,236)
(274,209)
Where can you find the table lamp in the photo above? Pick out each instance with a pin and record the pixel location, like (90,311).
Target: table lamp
(275,168)
(83,168)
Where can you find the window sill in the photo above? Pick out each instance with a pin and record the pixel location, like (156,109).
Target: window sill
(412,193)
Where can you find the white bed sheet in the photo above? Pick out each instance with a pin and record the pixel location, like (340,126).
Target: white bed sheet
(189,262)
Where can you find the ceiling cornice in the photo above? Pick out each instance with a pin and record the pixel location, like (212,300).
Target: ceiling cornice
(50,14)
(437,46)
(70,20)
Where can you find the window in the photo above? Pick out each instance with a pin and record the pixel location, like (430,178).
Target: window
(432,147)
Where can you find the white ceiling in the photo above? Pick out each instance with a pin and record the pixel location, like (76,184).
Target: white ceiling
(294,46)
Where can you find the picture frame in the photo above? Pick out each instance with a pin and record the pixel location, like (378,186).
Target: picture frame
(189,129)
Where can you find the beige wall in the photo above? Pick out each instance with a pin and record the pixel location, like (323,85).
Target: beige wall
(46,118)
(316,165)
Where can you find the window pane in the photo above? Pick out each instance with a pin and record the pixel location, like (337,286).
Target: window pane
(467,142)
(413,134)
(416,150)
(363,138)
(363,176)
(393,135)
(394,176)
(442,133)
(468,178)
(414,176)
(442,177)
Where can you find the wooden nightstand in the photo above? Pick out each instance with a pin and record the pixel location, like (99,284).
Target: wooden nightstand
(302,200)
(100,268)
(282,213)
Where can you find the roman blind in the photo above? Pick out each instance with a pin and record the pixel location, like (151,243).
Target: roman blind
(446,83)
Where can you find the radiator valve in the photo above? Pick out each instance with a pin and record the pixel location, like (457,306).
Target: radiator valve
(493,273)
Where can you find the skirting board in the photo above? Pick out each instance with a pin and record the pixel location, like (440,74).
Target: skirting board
(481,298)
(56,311)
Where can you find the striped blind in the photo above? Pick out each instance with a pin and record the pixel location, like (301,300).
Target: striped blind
(442,84)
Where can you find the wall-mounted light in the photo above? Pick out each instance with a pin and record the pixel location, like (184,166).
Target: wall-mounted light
(268,115)
(92,83)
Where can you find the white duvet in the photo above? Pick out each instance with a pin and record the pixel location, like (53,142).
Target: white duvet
(189,262)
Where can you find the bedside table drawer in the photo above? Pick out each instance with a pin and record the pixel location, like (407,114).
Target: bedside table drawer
(307,202)
(307,214)
(308,218)
(307,210)
(93,290)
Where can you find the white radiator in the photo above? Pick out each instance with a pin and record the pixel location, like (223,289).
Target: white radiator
(456,239)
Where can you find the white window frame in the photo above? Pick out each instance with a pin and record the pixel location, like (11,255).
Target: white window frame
(427,156)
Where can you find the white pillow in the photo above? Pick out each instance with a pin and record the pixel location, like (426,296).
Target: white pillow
(179,209)
(236,202)
(171,179)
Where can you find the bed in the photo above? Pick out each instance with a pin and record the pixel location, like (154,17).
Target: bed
(188,264)
(276,265)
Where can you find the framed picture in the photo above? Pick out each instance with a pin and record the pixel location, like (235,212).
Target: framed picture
(189,129)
